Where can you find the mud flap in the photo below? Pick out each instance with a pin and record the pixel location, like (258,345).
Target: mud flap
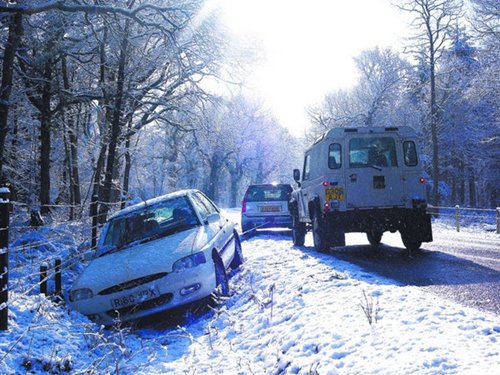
(420,225)
(425,228)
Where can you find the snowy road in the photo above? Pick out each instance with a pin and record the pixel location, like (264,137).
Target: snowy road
(464,267)
(461,266)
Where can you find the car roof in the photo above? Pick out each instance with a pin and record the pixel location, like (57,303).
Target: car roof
(152,202)
(267,185)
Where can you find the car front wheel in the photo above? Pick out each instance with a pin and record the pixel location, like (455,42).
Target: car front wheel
(221,278)
(238,253)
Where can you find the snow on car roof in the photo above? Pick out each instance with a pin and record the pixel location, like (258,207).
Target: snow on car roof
(152,201)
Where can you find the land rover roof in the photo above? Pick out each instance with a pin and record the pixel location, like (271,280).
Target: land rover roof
(336,133)
(404,131)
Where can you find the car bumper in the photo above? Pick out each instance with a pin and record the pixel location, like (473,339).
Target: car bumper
(174,290)
(283,221)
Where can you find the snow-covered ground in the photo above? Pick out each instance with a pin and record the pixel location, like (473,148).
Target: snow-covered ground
(292,310)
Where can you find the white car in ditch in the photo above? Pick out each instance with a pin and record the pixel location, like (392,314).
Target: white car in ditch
(156,255)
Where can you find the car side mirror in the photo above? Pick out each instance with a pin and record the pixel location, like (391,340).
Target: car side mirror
(296,176)
(213,218)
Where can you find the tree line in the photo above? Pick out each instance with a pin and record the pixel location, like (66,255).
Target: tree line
(105,99)
(445,85)
(108,99)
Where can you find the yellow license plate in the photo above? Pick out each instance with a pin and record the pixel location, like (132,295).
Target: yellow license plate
(334,194)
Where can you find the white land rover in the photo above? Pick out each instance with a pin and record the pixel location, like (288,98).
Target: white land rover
(366,179)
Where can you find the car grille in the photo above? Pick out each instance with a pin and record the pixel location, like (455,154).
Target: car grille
(132,283)
(146,305)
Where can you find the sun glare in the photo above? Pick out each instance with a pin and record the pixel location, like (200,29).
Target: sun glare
(308,47)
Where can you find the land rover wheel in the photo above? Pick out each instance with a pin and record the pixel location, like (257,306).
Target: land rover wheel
(374,237)
(319,236)
(410,241)
(337,236)
(298,232)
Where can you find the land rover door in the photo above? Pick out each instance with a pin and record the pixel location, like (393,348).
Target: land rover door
(373,176)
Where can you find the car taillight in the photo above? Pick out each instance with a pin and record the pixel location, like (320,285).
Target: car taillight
(244,206)
(422,180)
(325,183)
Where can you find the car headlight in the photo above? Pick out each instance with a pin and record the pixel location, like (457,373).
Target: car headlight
(80,294)
(189,262)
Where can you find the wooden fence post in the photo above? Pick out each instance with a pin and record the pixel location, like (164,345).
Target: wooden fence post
(4,257)
(93,216)
(57,276)
(43,278)
(457,217)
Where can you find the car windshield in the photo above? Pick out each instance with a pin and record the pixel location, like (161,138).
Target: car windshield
(372,152)
(268,193)
(152,222)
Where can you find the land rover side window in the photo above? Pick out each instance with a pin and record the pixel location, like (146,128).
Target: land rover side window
(410,153)
(307,167)
(372,152)
(334,156)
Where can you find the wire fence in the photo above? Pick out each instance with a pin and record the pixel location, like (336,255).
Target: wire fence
(31,254)
(38,253)
(459,217)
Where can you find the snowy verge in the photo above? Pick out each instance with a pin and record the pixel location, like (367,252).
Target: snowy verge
(292,310)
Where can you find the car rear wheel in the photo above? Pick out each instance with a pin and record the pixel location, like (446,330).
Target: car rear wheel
(374,237)
(238,253)
(319,235)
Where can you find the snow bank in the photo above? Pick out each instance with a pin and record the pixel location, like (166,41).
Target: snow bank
(292,310)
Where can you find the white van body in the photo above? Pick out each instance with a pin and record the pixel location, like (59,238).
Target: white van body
(366,179)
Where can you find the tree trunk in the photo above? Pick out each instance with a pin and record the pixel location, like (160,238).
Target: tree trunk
(72,131)
(128,166)
(462,182)
(434,129)
(472,188)
(45,142)
(15,34)
(115,125)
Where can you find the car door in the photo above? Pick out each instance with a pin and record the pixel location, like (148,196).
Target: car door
(222,229)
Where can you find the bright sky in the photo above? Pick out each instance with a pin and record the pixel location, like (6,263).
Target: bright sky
(308,47)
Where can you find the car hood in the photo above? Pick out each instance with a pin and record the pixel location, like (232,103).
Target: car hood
(140,260)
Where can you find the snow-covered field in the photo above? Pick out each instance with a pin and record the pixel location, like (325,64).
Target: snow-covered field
(292,311)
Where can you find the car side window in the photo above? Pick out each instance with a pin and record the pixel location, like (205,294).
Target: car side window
(207,203)
(410,153)
(307,167)
(202,209)
(334,156)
